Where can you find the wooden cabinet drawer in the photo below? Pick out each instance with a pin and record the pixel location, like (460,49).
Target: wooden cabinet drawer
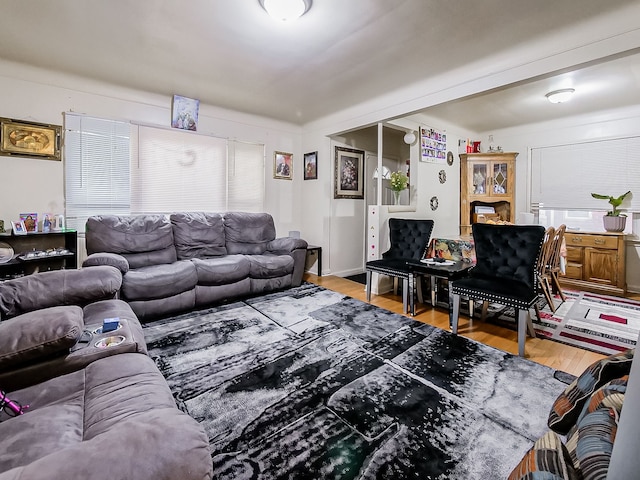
(598,241)
(574,254)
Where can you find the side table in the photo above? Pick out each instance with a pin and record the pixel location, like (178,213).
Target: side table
(316,250)
(435,270)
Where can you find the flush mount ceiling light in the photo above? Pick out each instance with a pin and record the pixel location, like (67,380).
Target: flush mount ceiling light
(559,96)
(286,10)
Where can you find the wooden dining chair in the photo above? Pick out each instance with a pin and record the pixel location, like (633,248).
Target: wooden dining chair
(548,267)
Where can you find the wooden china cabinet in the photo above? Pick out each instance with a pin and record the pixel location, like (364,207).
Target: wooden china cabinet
(487,180)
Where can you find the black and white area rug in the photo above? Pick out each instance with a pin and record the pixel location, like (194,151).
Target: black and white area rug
(307,383)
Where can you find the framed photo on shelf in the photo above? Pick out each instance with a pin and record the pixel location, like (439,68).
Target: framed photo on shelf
(349,173)
(30,139)
(311,166)
(30,221)
(18,227)
(283,165)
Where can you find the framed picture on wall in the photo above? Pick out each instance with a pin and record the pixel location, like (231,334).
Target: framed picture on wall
(184,113)
(30,139)
(349,173)
(311,166)
(283,165)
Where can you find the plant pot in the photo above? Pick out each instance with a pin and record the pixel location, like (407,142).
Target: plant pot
(614,223)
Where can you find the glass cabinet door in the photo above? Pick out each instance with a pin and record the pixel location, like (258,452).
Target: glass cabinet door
(478,179)
(500,177)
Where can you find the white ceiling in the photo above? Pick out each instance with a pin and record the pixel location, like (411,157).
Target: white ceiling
(229,53)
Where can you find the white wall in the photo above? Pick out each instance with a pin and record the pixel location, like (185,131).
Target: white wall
(33,185)
(603,125)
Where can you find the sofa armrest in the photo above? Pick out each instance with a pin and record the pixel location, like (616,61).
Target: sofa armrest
(58,287)
(112,259)
(286,245)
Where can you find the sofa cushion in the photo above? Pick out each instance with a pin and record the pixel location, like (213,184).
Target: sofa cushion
(248,233)
(567,407)
(198,234)
(38,335)
(548,459)
(610,395)
(114,419)
(58,287)
(270,266)
(222,270)
(590,443)
(142,239)
(159,281)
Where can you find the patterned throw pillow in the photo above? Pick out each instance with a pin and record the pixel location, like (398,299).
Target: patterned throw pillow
(610,395)
(590,443)
(547,460)
(567,407)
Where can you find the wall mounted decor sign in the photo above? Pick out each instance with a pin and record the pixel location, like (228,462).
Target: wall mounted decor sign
(433,145)
(30,139)
(184,113)
(311,166)
(283,165)
(349,173)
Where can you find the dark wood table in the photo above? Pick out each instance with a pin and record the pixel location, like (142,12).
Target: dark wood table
(435,270)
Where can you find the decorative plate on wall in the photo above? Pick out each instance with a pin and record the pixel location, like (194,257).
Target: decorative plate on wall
(442,176)
(433,203)
(449,157)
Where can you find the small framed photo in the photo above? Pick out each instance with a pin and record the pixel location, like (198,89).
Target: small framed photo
(184,113)
(30,139)
(349,173)
(30,221)
(311,166)
(283,165)
(18,227)
(47,222)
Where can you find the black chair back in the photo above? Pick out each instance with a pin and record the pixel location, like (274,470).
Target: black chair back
(508,252)
(409,238)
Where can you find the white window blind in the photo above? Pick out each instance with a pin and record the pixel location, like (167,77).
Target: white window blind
(96,160)
(563,177)
(246,177)
(117,168)
(178,171)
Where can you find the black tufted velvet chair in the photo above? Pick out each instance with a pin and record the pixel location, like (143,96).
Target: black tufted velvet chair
(505,272)
(409,240)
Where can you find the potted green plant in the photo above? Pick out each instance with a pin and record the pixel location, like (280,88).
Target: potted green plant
(614,220)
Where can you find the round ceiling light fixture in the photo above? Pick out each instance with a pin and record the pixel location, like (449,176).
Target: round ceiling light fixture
(286,10)
(559,96)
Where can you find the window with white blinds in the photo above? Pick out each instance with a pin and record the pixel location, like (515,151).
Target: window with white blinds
(96,163)
(160,171)
(563,177)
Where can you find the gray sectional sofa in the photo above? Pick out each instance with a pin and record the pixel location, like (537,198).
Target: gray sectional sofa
(191,260)
(99,413)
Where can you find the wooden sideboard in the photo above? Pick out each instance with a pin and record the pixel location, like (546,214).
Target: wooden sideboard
(595,262)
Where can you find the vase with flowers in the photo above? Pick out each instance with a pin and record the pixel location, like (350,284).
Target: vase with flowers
(399,182)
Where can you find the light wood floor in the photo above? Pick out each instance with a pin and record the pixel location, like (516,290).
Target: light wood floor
(553,354)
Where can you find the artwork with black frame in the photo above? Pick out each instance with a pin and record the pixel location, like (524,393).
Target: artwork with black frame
(311,166)
(349,173)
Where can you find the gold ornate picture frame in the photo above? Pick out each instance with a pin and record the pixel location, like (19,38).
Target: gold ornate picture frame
(30,139)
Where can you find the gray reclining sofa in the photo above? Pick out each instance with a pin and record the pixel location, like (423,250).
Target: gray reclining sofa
(193,259)
(94,412)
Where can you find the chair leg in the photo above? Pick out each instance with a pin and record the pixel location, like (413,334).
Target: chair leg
(410,292)
(556,284)
(368,285)
(395,285)
(537,309)
(418,279)
(454,313)
(485,309)
(546,290)
(522,329)
(405,294)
